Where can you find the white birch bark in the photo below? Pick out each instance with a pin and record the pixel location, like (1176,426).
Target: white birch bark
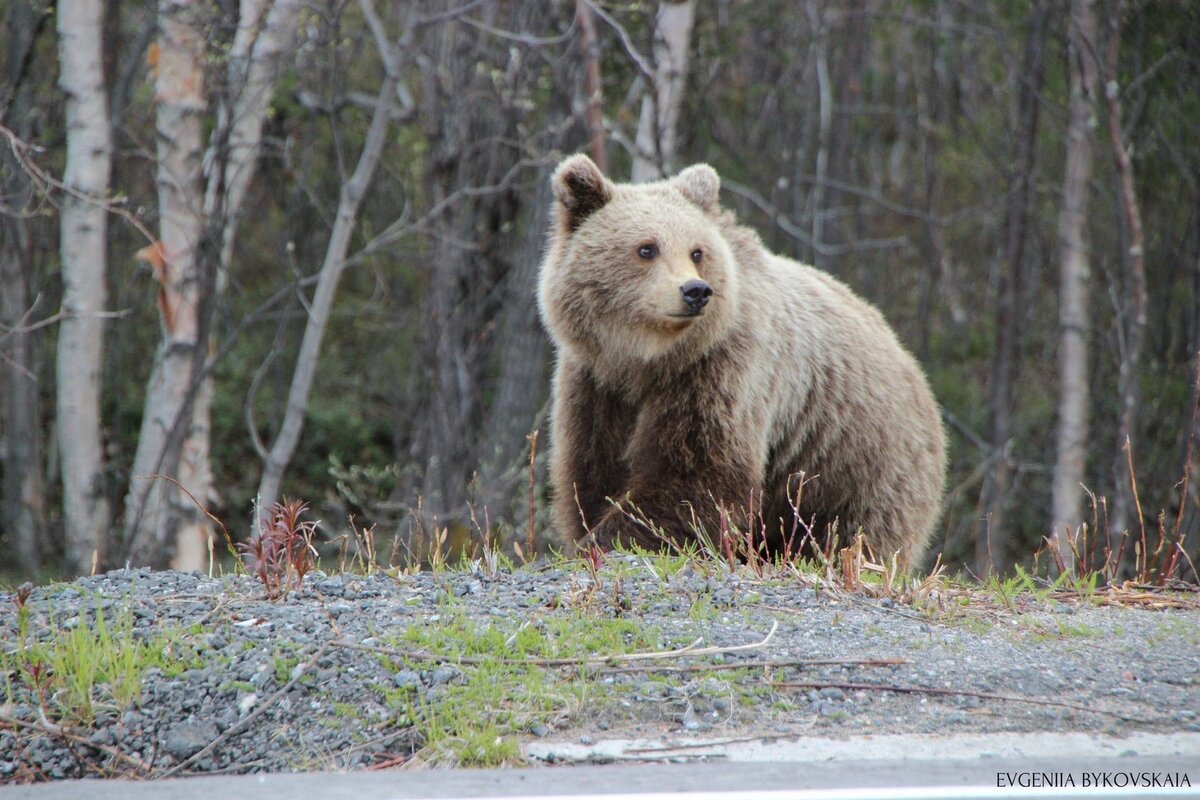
(161,525)
(654,148)
(276,460)
(1072,435)
(83,247)
(265,31)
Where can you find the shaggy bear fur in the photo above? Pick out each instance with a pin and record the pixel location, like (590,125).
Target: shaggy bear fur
(679,409)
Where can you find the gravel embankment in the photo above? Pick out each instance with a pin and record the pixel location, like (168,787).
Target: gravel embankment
(248,684)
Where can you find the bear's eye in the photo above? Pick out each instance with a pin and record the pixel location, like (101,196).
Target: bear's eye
(648,251)
(697,256)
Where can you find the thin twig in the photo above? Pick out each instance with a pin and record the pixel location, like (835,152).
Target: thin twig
(46,182)
(639,60)
(531,539)
(780,664)
(521,38)
(1189,454)
(224,531)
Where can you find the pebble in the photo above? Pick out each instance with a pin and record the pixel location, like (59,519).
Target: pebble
(190,737)
(406,680)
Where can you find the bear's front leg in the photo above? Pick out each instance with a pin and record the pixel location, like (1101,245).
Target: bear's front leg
(689,462)
(589,426)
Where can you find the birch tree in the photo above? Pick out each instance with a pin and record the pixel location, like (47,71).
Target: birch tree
(1072,434)
(83,244)
(161,524)
(654,148)
(264,32)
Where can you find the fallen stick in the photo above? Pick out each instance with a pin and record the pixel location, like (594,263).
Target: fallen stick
(692,649)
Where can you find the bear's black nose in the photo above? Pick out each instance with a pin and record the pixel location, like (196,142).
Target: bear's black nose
(696,294)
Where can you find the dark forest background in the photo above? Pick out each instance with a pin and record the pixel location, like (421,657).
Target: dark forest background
(395,190)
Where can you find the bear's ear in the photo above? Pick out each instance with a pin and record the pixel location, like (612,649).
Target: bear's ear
(581,190)
(700,184)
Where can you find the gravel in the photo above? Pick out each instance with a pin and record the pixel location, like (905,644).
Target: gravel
(274,686)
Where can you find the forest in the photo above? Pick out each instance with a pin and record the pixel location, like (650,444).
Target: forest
(257,249)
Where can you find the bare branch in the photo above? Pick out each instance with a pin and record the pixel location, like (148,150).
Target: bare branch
(639,60)
(522,38)
(46,182)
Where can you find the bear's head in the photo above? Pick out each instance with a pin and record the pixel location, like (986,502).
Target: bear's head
(636,272)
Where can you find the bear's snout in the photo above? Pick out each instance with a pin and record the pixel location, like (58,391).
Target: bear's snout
(695,295)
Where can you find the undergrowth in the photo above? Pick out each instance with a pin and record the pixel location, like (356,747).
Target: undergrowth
(90,664)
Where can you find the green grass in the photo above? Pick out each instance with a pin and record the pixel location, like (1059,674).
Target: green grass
(96,664)
(503,687)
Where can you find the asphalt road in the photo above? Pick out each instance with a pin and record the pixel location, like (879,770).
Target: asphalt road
(1078,772)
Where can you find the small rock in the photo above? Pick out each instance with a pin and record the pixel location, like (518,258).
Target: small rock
(247,702)
(331,587)
(443,675)
(539,729)
(407,679)
(337,609)
(188,738)
(828,709)
(226,719)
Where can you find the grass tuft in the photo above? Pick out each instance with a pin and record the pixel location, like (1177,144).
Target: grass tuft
(86,665)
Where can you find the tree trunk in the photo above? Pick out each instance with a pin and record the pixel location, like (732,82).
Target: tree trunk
(83,245)
(824,105)
(162,524)
(593,85)
(22,512)
(521,383)
(466,119)
(264,32)
(1072,435)
(1134,318)
(991,544)
(654,149)
(275,461)
(853,33)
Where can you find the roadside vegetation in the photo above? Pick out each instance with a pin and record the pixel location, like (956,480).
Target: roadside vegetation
(466,690)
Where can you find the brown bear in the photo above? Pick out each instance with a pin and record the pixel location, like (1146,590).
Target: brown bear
(699,376)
